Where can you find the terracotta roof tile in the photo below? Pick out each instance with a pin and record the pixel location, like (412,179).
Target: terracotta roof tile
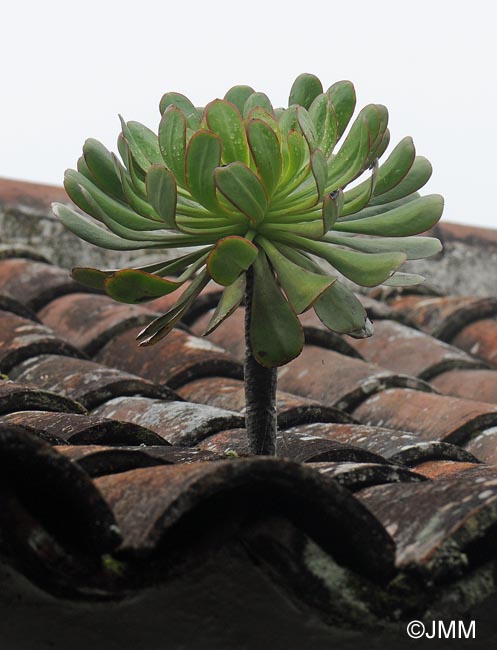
(89,321)
(479,385)
(76,429)
(180,423)
(15,396)
(480,339)
(431,416)
(357,476)
(436,524)
(21,339)
(341,381)
(34,284)
(178,360)
(404,349)
(227,393)
(84,381)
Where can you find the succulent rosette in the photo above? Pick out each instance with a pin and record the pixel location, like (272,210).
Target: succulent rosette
(244,186)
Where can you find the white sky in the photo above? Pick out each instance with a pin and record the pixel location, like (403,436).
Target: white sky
(68,69)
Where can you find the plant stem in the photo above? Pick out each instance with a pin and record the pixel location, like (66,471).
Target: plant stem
(260,391)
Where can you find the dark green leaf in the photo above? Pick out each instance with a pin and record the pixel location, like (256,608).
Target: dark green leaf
(302,287)
(238,95)
(102,167)
(162,194)
(229,258)
(276,334)
(231,299)
(343,98)
(92,278)
(409,219)
(266,153)
(172,141)
(185,106)
(340,310)
(305,89)
(133,286)
(203,155)
(243,189)
(224,118)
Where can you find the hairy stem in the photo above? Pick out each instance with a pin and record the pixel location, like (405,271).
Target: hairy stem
(260,391)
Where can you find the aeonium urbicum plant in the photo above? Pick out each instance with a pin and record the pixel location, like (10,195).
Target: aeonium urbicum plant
(262,199)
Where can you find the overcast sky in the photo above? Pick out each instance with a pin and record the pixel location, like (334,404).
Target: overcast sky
(68,69)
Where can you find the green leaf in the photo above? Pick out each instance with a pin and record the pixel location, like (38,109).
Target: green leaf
(276,334)
(133,286)
(266,153)
(301,286)
(94,234)
(340,310)
(76,185)
(203,155)
(88,277)
(373,210)
(225,119)
(294,156)
(417,176)
(332,205)
(231,299)
(409,219)
(238,95)
(307,127)
(352,157)
(362,198)
(185,106)
(305,89)
(415,248)
(172,142)
(257,100)
(229,258)
(134,198)
(325,123)
(142,143)
(319,170)
(404,280)
(365,269)
(162,194)
(102,167)
(391,172)
(343,99)
(161,326)
(243,189)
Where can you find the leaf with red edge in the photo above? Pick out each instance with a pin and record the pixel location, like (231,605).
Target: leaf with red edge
(133,286)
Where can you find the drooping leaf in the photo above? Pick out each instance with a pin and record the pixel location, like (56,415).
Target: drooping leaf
(91,278)
(161,326)
(404,280)
(340,310)
(231,299)
(185,106)
(172,142)
(415,248)
(343,98)
(409,219)
(225,119)
(162,193)
(276,334)
(134,287)
(238,95)
(94,234)
(76,185)
(243,190)
(332,206)
(102,167)
(266,153)
(305,89)
(301,286)
(229,258)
